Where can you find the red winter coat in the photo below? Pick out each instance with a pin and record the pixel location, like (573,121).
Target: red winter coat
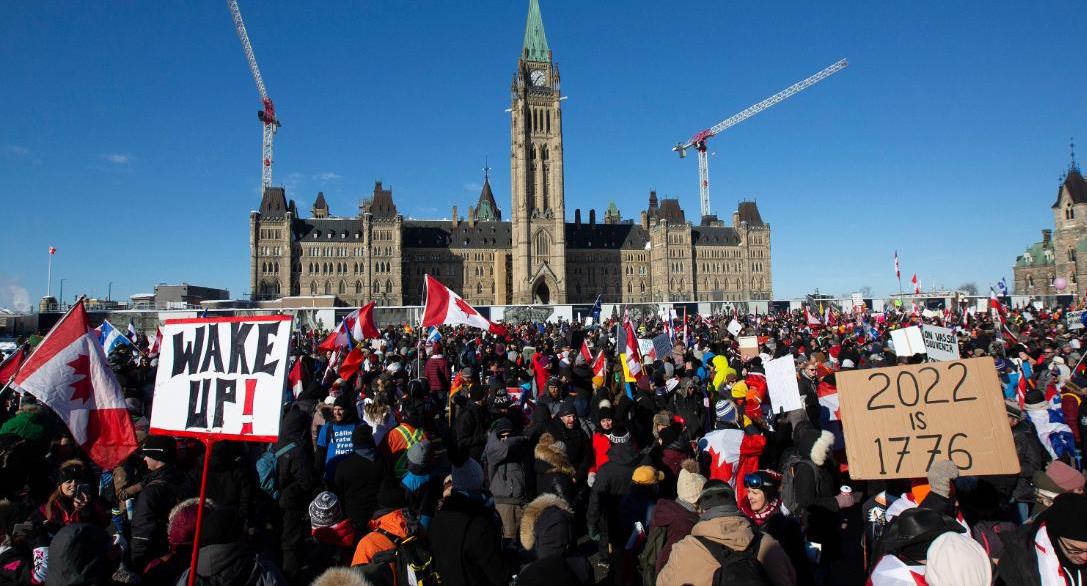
(437,373)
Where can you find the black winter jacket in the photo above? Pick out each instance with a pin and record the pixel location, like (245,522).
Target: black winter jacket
(357,481)
(465,541)
(162,490)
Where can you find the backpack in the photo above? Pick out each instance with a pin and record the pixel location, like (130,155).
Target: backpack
(651,551)
(407,563)
(266,469)
(738,568)
(788,479)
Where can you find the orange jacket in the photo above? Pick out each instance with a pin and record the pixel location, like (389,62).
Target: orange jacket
(375,541)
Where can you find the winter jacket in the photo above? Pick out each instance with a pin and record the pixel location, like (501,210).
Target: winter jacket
(1019,561)
(393,450)
(465,541)
(677,520)
(554,475)
(437,373)
(506,460)
(612,483)
(547,526)
(471,428)
(601,444)
(294,468)
(80,556)
(691,564)
(578,446)
(15,566)
(233,564)
(394,523)
(815,489)
(162,489)
(357,480)
(342,535)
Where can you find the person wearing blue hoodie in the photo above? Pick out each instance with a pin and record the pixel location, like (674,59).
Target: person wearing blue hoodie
(358,478)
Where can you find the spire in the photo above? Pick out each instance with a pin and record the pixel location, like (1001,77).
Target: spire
(535,48)
(1072,150)
(487,208)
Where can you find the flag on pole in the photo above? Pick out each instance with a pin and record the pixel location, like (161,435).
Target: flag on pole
(294,378)
(916,284)
(585,353)
(351,363)
(110,337)
(627,347)
(811,320)
(600,366)
(11,365)
(69,373)
(596,309)
(443,306)
(1003,284)
(52,250)
(154,345)
(132,334)
(898,272)
(1021,389)
(995,303)
(433,335)
(355,327)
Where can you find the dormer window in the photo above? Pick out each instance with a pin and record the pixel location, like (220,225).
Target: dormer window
(1048,255)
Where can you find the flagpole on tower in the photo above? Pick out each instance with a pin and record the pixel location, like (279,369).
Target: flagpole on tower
(49,272)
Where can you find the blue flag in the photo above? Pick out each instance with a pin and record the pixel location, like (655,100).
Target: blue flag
(596,309)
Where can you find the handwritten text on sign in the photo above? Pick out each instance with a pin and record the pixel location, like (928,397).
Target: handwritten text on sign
(222,377)
(898,421)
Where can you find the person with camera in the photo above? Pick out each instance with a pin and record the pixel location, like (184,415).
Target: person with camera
(72,501)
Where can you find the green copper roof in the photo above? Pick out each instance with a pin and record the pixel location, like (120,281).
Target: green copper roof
(612,210)
(1037,256)
(535,48)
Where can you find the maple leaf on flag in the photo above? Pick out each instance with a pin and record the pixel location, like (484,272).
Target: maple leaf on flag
(81,387)
(463,306)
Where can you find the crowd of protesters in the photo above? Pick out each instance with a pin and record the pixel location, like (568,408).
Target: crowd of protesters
(461,457)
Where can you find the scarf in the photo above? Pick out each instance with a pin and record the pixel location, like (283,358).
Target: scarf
(760,517)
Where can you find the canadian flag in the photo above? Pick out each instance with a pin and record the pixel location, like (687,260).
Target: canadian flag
(11,365)
(69,373)
(357,325)
(995,303)
(631,354)
(733,454)
(294,378)
(916,285)
(585,353)
(600,366)
(811,319)
(155,343)
(443,306)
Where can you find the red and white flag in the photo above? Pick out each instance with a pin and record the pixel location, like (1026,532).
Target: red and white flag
(600,365)
(632,355)
(811,319)
(52,250)
(898,272)
(11,365)
(916,285)
(891,570)
(355,327)
(995,303)
(68,372)
(585,353)
(294,378)
(155,343)
(443,306)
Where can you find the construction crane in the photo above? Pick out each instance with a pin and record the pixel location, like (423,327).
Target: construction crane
(698,141)
(267,115)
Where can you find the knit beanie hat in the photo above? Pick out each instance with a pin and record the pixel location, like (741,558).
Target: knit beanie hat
(362,436)
(689,483)
(325,510)
(420,457)
(1067,517)
(468,476)
(955,559)
(725,411)
(1065,476)
(716,493)
(181,524)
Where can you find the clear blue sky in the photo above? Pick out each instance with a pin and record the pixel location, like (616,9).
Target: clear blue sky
(130,140)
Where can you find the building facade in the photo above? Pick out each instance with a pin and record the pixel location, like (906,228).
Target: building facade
(537,256)
(1062,251)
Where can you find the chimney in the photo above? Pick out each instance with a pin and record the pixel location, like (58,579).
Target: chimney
(455,220)
(471,216)
(1046,234)
(577,216)
(592,217)
(645,220)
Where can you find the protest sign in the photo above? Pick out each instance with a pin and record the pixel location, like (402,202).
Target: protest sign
(858,301)
(897,421)
(940,343)
(222,378)
(734,327)
(749,347)
(907,341)
(783,387)
(644,346)
(1073,320)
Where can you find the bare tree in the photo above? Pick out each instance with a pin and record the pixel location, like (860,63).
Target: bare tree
(970,288)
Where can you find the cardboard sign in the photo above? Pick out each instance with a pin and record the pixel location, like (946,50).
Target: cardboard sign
(734,327)
(783,387)
(222,377)
(940,343)
(897,421)
(1073,320)
(749,346)
(858,300)
(907,341)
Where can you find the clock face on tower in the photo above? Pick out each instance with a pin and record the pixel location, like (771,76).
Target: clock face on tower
(539,78)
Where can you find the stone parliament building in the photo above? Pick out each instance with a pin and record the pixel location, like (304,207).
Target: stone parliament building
(536,256)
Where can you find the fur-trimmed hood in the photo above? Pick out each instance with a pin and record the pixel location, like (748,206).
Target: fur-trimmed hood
(556,459)
(341,577)
(531,515)
(816,445)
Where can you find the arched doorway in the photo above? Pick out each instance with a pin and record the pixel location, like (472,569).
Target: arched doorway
(542,294)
